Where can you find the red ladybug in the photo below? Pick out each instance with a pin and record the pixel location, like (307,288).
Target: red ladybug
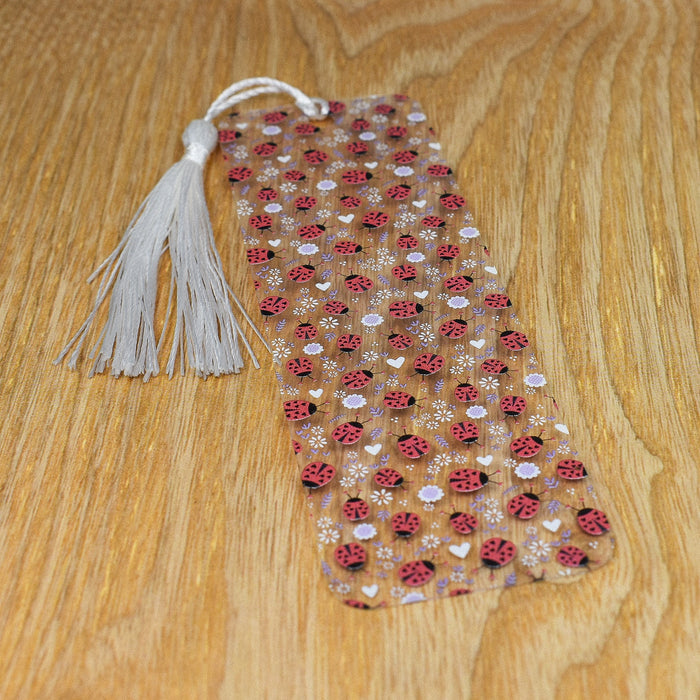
(571,469)
(497,301)
(298,409)
(267,194)
(463,523)
(433,222)
(413,446)
(306,129)
(448,251)
(349,342)
(407,242)
(592,521)
(459,591)
(494,367)
(302,273)
(497,552)
(311,231)
(466,393)
(350,202)
(452,201)
(527,445)
(271,306)
(465,432)
(356,177)
(360,125)
(297,447)
(458,283)
(239,174)
(315,157)
(336,107)
(357,604)
(229,136)
(513,405)
(348,433)
(375,219)
(514,340)
(350,556)
(305,331)
(524,505)
(305,203)
(405,309)
(347,248)
(265,149)
(357,378)
(300,366)
(398,192)
(405,273)
(357,147)
(428,363)
(399,341)
(467,480)
(294,176)
(405,157)
(454,328)
(317,474)
(358,283)
(274,117)
(384,109)
(417,573)
(572,556)
(439,171)
(355,509)
(388,477)
(396,132)
(261,222)
(336,308)
(405,524)
(399,400)
(258,256)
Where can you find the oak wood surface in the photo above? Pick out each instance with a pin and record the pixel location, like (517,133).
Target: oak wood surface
(129,512)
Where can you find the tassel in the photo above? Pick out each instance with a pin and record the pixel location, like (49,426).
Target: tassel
(175,216)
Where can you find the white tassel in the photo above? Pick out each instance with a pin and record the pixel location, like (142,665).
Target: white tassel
(175,216)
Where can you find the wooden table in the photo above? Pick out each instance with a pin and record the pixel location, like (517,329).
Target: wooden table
(125,508)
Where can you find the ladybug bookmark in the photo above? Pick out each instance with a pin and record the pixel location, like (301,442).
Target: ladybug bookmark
(433,459)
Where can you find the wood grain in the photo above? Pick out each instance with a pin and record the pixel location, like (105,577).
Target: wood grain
(128,511)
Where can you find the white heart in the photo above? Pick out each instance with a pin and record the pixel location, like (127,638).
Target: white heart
(242,125)
(421,295)
(420,203)
(561,428)
(491,269)
(461,550)
(323,286)
(371,165)
(485,461)
(283,159)
(551,525)
(370,591)
(397,363)
(316,393)
(347,218)
(274,243)
(373,449)
(478,344)
(435,146)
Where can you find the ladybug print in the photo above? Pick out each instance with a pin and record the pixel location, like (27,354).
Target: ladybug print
(300,367)
(259,256)
(229,136)
(348,433)
(305,331)
(448,252)
(350,202)
(240,174)
(396,132)
(413,446)
(306,129)
(304,203)
(302,273)
(592,521)
(356,509)
(463,523)
(398,400)
(433,222)
(407,242)
(336,308)
(357,148)
(466,393)
(384,109)
(297,447)
(405,157)
(375,219)
(526,446)
(357,604)
(494,367)
(388,477)
(315,157)
(572,557)
(467,480)
(357,379)
(404,309)
(452,201)
(265,149)
(398,192)
(458,283)
(295,176)
(497,301)
(336,107)
(358,283)
(513,405)
(360,125)
(274,117)
(428,363)
(514,340)
(349,342)
(311,231)
(417,573)
(261,222)
(439,171)
(350,556)
(400,341)
(405,524)
(356,177)
(405,273)
(317,474)
(497,552)
(272,306)
(524,506)
(454,328)
(297,409)
(267,194)
(465,431)
(347,248)
(571,469)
